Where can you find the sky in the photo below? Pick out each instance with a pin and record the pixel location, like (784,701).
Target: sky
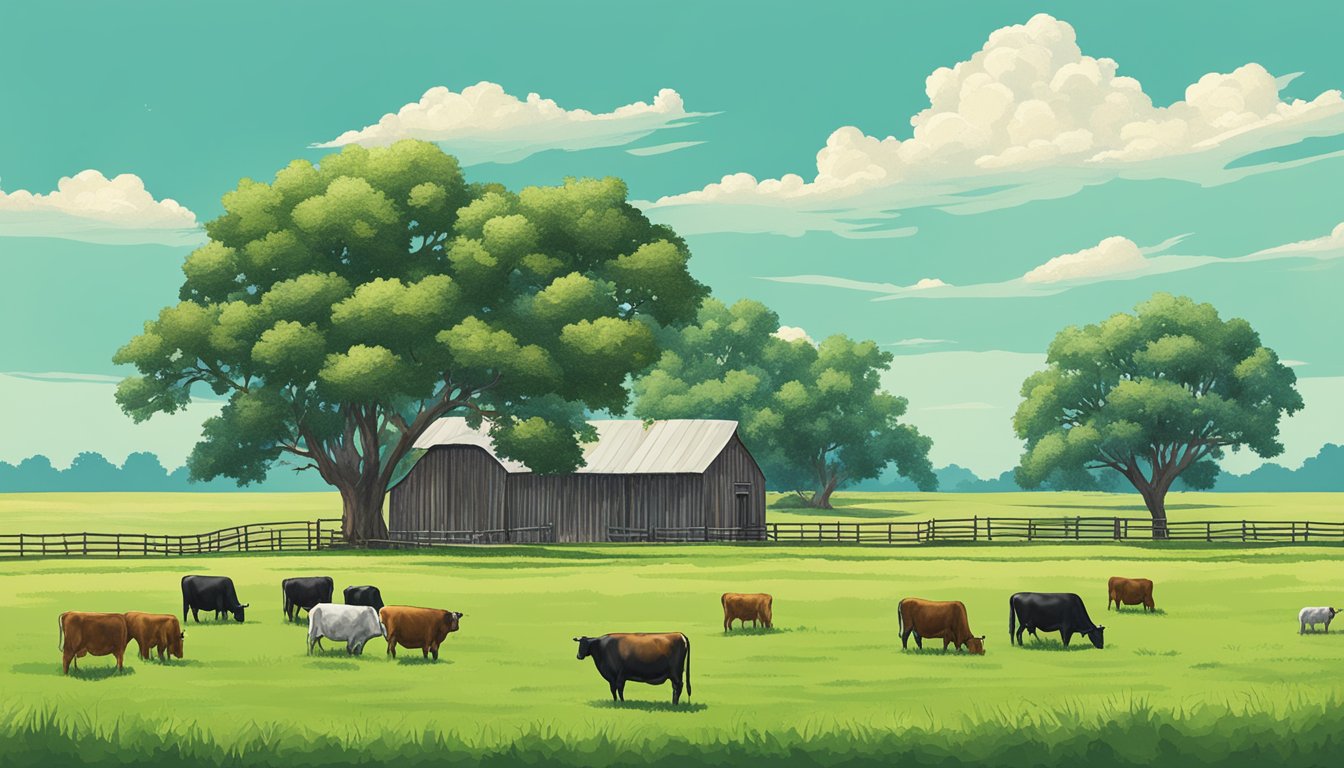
(957,186)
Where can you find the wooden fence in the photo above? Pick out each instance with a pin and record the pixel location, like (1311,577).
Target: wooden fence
(297,535)
(986,529)
(695,533)
(533,535)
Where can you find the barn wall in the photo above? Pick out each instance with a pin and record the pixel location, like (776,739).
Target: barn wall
(451,488)
(581,507)
(732,466)
(666,501)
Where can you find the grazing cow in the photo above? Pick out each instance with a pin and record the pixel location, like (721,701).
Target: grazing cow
(1049,612)
(652,657)
(1313,616)
(155,632)
(305,592)
(366,595)
(944,621)
(210,593)
(355,624)
(1129,592)
(423,628)
(747,607)
(96,634)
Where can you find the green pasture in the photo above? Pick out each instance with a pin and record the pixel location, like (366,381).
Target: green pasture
(182,513)
(1224,641)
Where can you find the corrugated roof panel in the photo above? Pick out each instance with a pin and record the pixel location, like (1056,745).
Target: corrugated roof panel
(624,446)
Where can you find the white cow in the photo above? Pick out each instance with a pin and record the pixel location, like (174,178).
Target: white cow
(355,624)
(1314,616)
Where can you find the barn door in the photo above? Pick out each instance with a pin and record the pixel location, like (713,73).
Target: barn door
(742,495)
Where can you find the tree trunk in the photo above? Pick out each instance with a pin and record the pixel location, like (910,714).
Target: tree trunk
(362,515)
(822,498)
(1156,501)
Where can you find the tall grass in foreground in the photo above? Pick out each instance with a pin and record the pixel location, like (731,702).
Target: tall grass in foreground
(1302,732)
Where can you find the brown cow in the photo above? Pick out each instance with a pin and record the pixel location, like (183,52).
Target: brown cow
(747,607)
(944,621)
(423,628)
(96,634)
(155,631)
(1129,592)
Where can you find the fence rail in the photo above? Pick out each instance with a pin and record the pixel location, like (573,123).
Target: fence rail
(532,535)
(305,535)
(695,533)
(986,529)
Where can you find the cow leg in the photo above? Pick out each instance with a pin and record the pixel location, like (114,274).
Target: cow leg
(620,688)
(945,642)
(613,691)
(905,639)
(919,641)
(676,692)
(434,649)
(727,624)
(1067,635)
(66,658)
(120,654)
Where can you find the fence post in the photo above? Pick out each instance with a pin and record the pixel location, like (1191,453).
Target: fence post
(86,541)
(1208,530)
(20,545)
(1077,524)
(975,528)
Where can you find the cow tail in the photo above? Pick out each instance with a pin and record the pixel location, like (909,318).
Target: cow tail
(688,665)
(1012,622)
(900,618)
(60,632)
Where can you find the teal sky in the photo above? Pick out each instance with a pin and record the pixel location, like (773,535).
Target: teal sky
(190,97)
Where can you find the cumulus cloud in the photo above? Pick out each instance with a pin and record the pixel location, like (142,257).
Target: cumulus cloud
(1114,258)
(483,123)
(793,333)
(1027,116)
(93,208)
(918,342)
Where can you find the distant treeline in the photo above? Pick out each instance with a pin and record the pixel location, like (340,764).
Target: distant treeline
(1322,472)
(91,471)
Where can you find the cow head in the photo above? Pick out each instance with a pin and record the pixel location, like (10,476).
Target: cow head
(586,646)
(1096,636)
(976,645)
(1333,611)
(176,649)
(452,620)
(238,612)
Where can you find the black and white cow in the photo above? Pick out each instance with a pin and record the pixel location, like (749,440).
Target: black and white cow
(365,595)
(355,624)
(210,593)
(1061,612)
(305,592)
(652,657)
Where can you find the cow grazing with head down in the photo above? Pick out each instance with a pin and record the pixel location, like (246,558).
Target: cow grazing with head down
(305,592)
(366,595)
(944,621)
(1310,617)
(210,593)
(355,624)
(423,628)
(1129,592)
(755,608)
(1061,612)
(94,634)
(155,632)
(644,657)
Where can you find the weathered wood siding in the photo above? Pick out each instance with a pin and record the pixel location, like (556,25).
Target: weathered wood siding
(451,488)
(666,501)
(733,466)
(581,507)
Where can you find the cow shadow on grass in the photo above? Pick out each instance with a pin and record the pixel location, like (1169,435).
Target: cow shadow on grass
(935,650)
(650,706)
(88,674)
(421,661)
(758,631)
(1127,612)
(1055,645)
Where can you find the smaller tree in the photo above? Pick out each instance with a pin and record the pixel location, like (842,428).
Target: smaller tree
(815,417)
(1154,395)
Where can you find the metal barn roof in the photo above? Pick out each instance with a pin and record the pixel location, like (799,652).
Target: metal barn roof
(623,446)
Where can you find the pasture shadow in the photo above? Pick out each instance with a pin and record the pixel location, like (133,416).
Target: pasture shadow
(1053,645)
(421,661)
(1132,611)
(1337,633)
(170,663)
(88,674)
(758,631)
(1151,652)
(650,706)
(934,650)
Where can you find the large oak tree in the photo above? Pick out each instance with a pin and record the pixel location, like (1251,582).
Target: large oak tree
(347,305)
(1154,395)
(815,417)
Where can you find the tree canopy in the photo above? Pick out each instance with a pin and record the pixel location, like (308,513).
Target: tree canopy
(346,305)
(815,417)
(1154,395)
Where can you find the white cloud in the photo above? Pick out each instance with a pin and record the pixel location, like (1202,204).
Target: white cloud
(1027,116)
(793,333)
(662,149)
(93,208)
(1114,258)
(918,342)
(1114,255)
(483,123)
(1293,363)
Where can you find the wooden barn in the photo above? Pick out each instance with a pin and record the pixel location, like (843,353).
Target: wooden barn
(680,479)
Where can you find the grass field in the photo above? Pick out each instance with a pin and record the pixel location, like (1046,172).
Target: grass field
(181,513)
(831,678)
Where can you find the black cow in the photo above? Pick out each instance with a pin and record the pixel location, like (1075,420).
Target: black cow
(1063,612)
(210,593)
(653,658)
(366,595)
(305,592)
